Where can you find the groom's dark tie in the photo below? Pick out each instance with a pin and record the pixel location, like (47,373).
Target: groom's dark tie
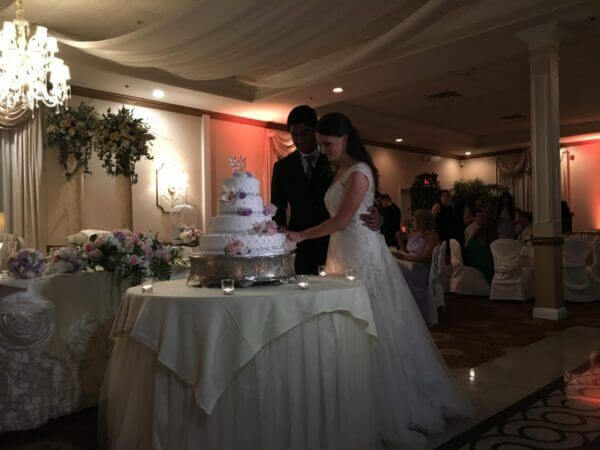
(309,164)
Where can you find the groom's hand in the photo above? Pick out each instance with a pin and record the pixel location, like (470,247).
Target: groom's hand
(373,220)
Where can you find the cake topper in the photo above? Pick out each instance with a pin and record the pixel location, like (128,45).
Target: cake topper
(237,164)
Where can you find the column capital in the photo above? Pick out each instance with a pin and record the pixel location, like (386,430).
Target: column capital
(542,36)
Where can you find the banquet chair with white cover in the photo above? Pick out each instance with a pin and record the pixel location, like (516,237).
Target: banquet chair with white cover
(445,268)
(577,283)
(465,280)
(38,381)
(511,280)
(594,269)
(435,284)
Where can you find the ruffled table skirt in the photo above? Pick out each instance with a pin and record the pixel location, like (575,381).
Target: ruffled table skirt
(308,389)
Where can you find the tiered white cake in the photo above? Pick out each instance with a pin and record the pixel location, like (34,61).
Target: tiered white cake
(244,224)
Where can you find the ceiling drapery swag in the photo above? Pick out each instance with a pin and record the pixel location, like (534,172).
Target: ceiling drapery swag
(517,179)
(263,41)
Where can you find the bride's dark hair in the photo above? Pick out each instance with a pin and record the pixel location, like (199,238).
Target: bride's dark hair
(338,125)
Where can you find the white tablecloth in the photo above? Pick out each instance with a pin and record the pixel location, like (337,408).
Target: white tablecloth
(272,367)
(65,374)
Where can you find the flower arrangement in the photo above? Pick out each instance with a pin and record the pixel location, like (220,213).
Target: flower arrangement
(425,191)
(266,227)
(121,141)
(269,210)
(244,212)
(66,260)
(133,255)
(190,235)
(232,196)
(26,263)
(236,248)
(242,173)
(72,130)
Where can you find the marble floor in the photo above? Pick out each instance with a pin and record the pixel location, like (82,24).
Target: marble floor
(542,396)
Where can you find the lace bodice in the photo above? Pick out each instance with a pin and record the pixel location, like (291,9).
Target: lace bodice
(334,195)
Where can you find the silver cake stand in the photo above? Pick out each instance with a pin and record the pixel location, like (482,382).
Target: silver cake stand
(209,270)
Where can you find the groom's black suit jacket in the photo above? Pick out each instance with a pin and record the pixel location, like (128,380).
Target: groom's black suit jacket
(290,185)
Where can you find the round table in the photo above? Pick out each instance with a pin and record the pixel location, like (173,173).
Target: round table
(271,367)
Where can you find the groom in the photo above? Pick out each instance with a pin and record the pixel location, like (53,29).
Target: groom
(301,180)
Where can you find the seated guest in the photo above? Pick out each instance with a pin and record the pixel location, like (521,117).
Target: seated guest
(477,252)
(478,219)
(507,220)
(419,249)
(524,227)
(391,219)
(446,224)
(470,210)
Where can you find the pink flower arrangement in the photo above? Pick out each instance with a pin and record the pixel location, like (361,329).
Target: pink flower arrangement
(66,260)
(190,235)
(244,212)
(266,227)
(269,209)
(236,247)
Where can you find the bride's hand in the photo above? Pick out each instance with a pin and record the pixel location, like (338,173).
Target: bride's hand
(294,236)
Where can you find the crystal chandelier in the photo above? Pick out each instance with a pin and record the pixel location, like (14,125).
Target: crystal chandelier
(29,71)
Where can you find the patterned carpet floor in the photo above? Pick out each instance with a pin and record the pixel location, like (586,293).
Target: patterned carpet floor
(471,332)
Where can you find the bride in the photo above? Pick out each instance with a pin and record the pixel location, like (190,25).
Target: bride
(414,390)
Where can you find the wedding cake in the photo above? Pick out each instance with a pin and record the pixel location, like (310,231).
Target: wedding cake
(242,241)
(243,225)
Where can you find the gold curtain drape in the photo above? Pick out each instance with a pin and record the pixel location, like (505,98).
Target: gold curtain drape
(517,179)
(14,119)
(277,146)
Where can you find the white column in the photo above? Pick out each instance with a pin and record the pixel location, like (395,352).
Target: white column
(543,46)
(205,159)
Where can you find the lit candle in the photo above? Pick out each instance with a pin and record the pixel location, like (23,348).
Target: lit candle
(322,271)
(228,286)
(350,274)
(147,286)
(303,282)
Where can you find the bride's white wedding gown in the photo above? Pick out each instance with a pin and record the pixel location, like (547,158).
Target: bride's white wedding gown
(414,390)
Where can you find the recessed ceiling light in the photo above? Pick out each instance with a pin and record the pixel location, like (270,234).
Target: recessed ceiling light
(158,93)
(338,90)
(467,153)
(399,139)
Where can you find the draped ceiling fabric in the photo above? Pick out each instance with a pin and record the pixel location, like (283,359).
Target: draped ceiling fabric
(517,179)
(277,146)
(22,158)
(281,44)
(13,119)
(565,179)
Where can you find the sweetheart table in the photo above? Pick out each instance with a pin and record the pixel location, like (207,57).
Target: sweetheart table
(272,367)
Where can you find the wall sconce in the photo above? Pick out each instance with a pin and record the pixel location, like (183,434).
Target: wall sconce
(171,187)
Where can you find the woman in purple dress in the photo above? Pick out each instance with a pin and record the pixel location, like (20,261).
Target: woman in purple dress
(418,249)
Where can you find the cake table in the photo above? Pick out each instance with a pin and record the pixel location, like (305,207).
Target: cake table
(272,367)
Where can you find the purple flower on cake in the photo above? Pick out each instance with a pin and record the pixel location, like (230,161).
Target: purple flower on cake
(244,212)
(289,246)
(242,173)
(241,195)
(269,209)
(236,247)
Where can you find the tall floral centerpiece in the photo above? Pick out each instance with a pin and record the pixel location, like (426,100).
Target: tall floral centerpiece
(121,141)
(71,130)
(425,191)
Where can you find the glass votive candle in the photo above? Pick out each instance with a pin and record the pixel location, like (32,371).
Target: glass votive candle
(302,281)
(228,286)
(350,274)
(322,271)
(147,287)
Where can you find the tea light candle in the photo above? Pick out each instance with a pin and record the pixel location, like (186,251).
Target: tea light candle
(322,271)
(350,275)
(147,286)
(228,286)
(303,282)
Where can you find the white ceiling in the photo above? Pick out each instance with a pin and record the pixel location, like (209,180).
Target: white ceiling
(472,51)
